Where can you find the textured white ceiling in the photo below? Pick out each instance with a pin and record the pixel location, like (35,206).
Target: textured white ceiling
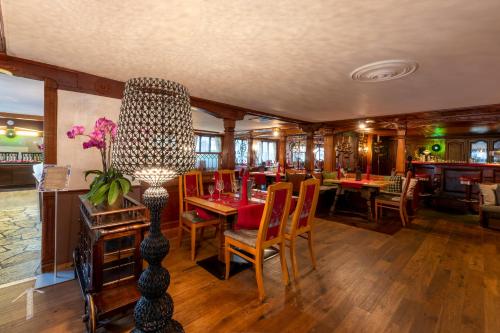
(289,57)
(203,121)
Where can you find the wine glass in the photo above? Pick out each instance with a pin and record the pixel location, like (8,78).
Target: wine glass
(220,188)
(211,191)
(236,187)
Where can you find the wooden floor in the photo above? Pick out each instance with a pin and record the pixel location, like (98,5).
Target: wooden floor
(441,274)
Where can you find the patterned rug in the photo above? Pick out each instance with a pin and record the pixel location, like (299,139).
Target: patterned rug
(20,232)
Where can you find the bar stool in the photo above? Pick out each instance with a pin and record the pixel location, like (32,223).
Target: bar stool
(468,182)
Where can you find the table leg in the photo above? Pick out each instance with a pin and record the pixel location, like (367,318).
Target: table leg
(337,194)
(367,195)
(226,224)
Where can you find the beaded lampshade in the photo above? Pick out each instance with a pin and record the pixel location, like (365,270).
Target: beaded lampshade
(155,139)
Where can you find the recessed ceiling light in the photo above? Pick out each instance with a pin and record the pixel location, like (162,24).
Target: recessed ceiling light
(384,70)
(6,72)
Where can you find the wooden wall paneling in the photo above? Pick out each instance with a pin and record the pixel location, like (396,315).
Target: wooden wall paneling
(401,151)
(282,150)
(329,147)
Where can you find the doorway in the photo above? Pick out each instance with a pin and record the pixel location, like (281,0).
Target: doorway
(21,150)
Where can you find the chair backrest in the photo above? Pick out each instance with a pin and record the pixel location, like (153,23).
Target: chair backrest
(306,204)
(260,179)
(227,177)
(275,215)
(190,185)
(404,191)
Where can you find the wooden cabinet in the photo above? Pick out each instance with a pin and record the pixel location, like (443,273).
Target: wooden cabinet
(16,175)
(455,150)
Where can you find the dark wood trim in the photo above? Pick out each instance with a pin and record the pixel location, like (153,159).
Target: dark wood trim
(3,43)
(50,121)
(65,79)
(72,80)
(21,116)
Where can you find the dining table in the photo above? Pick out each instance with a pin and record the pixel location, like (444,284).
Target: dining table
(226,207)
(368,188)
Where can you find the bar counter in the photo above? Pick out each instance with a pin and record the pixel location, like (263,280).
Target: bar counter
(445,176)
(14,174)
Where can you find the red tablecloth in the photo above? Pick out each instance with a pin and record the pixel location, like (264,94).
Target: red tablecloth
(353,183)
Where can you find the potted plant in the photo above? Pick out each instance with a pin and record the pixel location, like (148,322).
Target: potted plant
(109,186)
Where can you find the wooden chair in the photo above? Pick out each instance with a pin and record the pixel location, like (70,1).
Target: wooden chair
(394,202)
(191,185)
(299,225)
(228,178)
(269,234)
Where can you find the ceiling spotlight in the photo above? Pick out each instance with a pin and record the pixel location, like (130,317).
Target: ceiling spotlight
(6,72)
(362,126)
(276,131)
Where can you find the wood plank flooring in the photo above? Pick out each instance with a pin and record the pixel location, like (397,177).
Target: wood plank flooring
(440,275)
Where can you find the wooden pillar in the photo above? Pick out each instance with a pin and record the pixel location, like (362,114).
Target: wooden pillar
(282,151)
(250,154)
(329,146)
(369,153)
(50,157)
(228,152)
(400,152)
(309,163)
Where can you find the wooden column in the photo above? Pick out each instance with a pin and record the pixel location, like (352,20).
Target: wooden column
(250,154)
(282,150)
(309,163)
(400,152)
(369,153)
(329,146)
(228,153)
(50,157)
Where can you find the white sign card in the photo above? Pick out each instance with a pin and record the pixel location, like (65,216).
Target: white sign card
(54,178)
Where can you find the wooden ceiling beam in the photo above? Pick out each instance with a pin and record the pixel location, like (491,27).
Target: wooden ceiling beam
(3,44)
(20,116)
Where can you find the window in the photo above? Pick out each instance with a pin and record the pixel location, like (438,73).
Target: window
(241,151)
(265,151)
(296,151)
(319,154)
(479,151)
(208,149)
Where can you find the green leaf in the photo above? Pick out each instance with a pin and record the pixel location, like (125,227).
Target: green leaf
(99,195)
(113,193)
(92,172)
(125,185)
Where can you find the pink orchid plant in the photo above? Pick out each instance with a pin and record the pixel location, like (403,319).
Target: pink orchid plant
(108,183)
(102,136)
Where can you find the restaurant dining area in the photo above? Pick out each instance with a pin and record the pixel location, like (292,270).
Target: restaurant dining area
(219,167)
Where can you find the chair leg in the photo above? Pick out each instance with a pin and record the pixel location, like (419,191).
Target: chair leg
(227,258)
(284,267)
(293,258)
(403,219)
(179,234)
(193,242)
(309,240)
(258,276)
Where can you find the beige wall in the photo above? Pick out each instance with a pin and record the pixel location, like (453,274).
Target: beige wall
(81,109)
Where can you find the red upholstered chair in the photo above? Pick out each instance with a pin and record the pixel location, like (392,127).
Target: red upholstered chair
(228,178)
(269,234)
(260,180)
(190,185)
(299,225)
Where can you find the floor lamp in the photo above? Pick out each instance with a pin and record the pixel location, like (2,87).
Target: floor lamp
(154,143)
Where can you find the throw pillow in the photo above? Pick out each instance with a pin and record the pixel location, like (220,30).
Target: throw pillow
(395,185)
(488,193)
(330,175)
